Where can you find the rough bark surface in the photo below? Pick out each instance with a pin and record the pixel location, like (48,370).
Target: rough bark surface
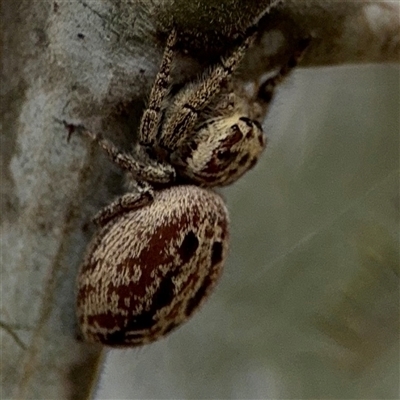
(93,62)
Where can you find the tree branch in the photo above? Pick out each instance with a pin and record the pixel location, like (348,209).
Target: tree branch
(343,32)
(93,62)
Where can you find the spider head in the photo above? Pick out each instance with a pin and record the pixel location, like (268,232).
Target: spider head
(221,151)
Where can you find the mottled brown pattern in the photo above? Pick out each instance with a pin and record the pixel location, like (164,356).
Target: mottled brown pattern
(194,302)
(188,247)
(216,253)
(244,159)
(164,255)
(261,140)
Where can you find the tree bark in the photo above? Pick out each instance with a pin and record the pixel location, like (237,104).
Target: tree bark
(93,62)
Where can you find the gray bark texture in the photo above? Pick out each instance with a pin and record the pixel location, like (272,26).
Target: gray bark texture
(93,62)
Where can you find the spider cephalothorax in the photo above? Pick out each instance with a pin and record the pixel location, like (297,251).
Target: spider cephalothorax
(225,144)
(206,131)
(161,247)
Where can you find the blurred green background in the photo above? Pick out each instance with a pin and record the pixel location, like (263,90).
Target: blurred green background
(308,306)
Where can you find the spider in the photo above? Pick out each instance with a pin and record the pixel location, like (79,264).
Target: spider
(160,248)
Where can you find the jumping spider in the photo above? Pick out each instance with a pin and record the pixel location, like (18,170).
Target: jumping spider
(160,249)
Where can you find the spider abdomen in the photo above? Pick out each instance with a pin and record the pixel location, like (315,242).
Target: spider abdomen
(148,270)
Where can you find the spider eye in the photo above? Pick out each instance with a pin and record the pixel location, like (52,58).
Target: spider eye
(226,155)
(247,121)
(258,125)
(223,155)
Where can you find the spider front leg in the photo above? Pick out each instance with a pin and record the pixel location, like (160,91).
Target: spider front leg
(141,166)
(266,90)
(151,118)
(183,115)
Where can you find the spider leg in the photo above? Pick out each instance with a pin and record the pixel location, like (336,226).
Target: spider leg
(266,91)
(181,121)
(152,115)
(127,202)
(140,165)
